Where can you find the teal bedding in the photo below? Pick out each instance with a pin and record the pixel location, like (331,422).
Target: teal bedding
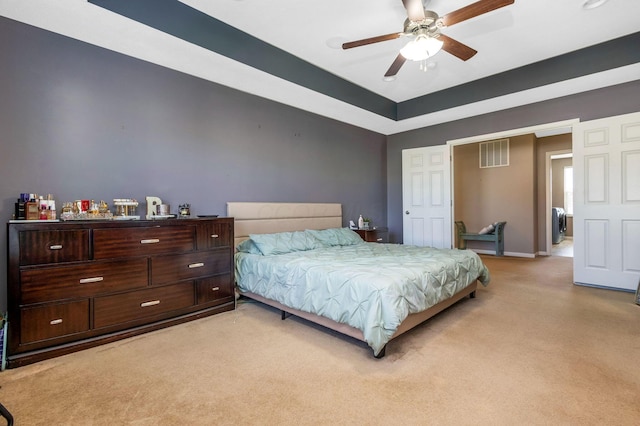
(370,286)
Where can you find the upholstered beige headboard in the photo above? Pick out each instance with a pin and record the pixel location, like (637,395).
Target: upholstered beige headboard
(268,218)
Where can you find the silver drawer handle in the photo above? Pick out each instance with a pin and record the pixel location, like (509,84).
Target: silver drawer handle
(150,303)
(55,247)
(56,321)
(196,265)
(91,280)
(379,239)
(215,289)
(150,241)
(214,235)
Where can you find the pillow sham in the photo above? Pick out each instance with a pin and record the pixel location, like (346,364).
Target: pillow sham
(487,229)
(248,246)
(285,242)
(336,236)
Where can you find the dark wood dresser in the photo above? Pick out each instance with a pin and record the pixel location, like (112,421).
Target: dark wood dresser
(374,235)
(74,285)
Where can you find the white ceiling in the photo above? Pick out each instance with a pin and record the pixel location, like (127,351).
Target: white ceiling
(516,35)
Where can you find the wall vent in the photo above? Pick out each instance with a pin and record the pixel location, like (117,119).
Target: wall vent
(494,153)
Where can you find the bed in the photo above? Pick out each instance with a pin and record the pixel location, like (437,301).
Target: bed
(298,258)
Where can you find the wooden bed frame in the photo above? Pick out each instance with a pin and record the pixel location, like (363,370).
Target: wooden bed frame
(264,218)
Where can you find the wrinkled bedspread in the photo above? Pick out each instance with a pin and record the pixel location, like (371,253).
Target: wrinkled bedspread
(372,287)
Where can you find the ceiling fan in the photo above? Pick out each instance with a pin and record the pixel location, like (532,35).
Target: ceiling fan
(423,27)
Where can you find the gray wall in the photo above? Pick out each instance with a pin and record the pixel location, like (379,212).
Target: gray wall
(610,101)
(79,121)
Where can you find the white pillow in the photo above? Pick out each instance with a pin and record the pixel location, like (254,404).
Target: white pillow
(487,229)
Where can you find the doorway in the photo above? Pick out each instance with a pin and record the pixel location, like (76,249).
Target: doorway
(559,201)
(537,229)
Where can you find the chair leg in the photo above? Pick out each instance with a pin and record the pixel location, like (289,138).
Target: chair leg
(6,414)
(463,244)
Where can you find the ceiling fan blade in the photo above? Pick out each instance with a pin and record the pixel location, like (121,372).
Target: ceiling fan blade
(395,66)
(371,40)
(456,48)
(415,10)
(473,10)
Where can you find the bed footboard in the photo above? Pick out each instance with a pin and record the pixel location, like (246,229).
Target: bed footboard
(410,322)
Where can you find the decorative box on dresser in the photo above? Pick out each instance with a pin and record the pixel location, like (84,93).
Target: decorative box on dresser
(78,284)
(374,235)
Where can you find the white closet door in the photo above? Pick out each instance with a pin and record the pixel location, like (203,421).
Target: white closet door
(606,155)
(426,196)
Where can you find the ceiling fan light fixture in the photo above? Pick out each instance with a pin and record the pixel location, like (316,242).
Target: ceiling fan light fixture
(421,48)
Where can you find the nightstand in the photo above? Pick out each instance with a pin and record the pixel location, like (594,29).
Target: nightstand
(374,235)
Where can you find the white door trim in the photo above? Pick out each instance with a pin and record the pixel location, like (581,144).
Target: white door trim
(515,132)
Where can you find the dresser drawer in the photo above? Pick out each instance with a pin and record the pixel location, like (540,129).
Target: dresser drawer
(121,308)
(39,247)
(166,269)
(215,288)
(55,320)
(376,235)
(86,280)
(122,242)
(218,234)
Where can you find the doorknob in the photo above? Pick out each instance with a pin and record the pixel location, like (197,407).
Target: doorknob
(406,212)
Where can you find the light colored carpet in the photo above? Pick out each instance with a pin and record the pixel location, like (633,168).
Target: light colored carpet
(532,348)
(563,248)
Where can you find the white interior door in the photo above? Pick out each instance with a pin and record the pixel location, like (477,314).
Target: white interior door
(426,196)
(606,216)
